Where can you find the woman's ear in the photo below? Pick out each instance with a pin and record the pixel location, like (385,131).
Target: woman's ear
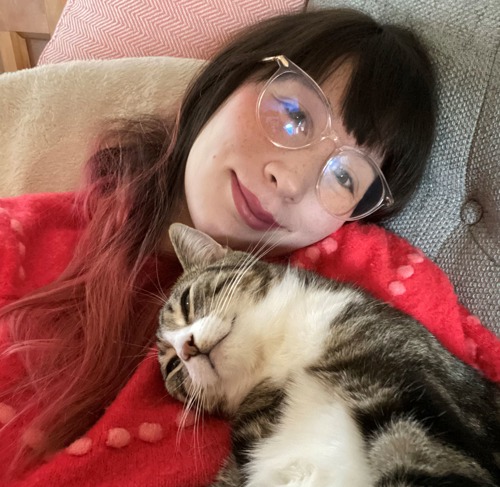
(194,248)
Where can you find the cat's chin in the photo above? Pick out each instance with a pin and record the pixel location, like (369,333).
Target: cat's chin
(197,383)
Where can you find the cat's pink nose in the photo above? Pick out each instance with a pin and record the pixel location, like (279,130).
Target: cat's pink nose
(189,349)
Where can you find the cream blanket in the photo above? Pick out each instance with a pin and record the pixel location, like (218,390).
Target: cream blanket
(51,115)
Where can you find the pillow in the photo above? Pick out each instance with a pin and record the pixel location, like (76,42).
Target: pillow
(97,29)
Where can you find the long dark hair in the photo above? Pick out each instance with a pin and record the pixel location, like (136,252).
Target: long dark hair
(87,319)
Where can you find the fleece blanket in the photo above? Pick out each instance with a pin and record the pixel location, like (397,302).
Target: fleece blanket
(138,440)
(51,115)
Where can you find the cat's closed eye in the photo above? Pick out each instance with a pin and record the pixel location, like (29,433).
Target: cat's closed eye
(172,364)
(186,303)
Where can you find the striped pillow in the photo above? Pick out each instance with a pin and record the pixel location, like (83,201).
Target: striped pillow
(107,29)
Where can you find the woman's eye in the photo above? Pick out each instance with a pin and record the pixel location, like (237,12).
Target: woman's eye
(172,364)
(186,303)
(344,179)
(296,120)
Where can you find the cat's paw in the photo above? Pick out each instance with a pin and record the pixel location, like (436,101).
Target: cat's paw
(295,474)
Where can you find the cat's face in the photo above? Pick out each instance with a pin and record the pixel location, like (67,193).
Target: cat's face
(208,351)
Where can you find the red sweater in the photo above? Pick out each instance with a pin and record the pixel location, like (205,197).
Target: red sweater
(137,441)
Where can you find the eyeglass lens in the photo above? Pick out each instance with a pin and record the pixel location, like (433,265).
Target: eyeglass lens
(291,112)
(349,186)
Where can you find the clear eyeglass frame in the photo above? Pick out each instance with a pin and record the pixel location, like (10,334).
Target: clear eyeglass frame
(286,66)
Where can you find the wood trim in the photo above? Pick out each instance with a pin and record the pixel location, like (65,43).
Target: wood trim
(53,11)
(22,19)
(14,51)
(23,16)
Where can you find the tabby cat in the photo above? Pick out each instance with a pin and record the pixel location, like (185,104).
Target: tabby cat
(323,384)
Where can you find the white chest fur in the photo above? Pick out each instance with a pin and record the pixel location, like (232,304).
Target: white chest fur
(317,443)
(290,326)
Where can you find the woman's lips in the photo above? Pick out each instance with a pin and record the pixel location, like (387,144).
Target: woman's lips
(249,207)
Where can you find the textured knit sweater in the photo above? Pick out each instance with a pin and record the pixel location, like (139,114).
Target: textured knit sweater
(138,441)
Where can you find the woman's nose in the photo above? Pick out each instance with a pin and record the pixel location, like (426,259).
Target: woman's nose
(293,174)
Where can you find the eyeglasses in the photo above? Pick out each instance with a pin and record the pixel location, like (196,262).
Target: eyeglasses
(294,114)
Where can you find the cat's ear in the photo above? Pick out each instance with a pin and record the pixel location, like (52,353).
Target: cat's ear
(194,248)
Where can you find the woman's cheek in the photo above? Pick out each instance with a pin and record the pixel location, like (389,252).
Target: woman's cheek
(317,225)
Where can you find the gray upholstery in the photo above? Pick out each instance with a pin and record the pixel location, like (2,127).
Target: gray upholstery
(455,216)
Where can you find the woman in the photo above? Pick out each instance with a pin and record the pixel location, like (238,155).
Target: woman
(299,124)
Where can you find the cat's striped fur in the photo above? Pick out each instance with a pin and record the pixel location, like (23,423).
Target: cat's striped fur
(324,385)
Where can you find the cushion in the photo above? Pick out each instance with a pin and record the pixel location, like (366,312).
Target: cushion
(96,29)
(455,215)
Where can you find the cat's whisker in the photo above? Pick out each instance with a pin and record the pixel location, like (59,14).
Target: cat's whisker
(159,287)
(261,247)
(195,407)
(160,292)
(213,292)
(188,406)
(249,260)
(196,425)
(246,263)
(156,298)
(150,356)
(245,267)
(265,248)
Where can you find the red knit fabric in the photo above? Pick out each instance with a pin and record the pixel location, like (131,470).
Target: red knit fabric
(137,441)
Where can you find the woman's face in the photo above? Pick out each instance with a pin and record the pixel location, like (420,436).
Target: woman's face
(245,192)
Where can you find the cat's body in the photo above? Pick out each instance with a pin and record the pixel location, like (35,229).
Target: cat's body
(324,385)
